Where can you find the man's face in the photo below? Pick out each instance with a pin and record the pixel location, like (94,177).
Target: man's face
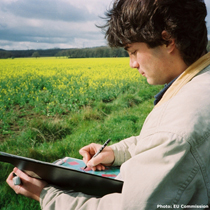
(153,63)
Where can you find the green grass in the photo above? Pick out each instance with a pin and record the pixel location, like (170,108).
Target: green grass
(48,137)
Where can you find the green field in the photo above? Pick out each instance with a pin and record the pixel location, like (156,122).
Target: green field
(50,108)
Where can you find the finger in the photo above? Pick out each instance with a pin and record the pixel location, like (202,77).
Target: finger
(85,153)
(103,167)
(10,179)
(88,151)
(94,161)
(99,167)
(21,174)
(16,188)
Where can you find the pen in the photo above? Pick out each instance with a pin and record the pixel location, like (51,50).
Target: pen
(100,150)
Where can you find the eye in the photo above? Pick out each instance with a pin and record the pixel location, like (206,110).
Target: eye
(134,52)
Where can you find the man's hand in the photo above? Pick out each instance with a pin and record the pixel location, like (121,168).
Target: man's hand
(30,187)
(105,158)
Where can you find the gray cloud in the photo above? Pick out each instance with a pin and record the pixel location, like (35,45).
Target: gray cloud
(48,9)
(42,24)
(50,23)
(61,33)
(208,11)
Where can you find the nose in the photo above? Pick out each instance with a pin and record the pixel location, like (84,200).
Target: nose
(133,63)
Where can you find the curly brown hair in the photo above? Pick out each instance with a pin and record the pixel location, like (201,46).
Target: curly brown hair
(130,21)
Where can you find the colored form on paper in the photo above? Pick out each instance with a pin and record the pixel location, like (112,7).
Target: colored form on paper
(77,164)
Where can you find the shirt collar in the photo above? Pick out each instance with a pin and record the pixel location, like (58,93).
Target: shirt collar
(161,93)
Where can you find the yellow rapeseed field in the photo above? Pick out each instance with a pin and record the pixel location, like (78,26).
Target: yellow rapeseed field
(53,85)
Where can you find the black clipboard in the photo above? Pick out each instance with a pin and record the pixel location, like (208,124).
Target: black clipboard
(64,177)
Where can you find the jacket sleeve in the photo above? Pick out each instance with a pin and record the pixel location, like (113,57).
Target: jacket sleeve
(53,198)
(124,150)
(151,178)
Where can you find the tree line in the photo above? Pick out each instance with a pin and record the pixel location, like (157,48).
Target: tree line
(94,52)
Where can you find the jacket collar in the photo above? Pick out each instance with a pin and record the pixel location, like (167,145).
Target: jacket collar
(162,92)
(185,77)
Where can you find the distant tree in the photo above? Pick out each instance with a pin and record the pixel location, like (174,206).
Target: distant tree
(61,53)
(36,54)
(208,46)
(5,54)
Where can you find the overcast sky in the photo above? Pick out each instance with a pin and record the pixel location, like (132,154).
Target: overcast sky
(44,24)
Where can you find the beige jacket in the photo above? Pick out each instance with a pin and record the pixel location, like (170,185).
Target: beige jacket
(168,165)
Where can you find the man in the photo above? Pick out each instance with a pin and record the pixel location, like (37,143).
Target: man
(168,164)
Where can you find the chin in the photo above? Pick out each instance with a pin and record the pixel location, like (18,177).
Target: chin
(155,82)
(151,82)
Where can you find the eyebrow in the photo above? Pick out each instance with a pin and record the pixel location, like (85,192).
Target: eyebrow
(126,48)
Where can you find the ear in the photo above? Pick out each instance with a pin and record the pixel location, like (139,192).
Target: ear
(170,42)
